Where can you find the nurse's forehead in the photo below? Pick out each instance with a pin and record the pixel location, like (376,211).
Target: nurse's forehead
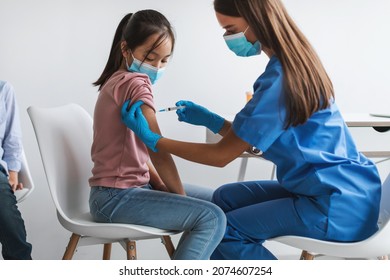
(227,22)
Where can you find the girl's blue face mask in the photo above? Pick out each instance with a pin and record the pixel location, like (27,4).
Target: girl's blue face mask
(153,73)
(238,44)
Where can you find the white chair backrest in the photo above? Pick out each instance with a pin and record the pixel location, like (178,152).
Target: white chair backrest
(64,135)
(385,201)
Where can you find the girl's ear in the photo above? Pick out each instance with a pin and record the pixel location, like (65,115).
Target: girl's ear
(124,49)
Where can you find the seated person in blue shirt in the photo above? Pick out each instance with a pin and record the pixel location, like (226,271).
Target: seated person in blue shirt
(325,188)
(12,230)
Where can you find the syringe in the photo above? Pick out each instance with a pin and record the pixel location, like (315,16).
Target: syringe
(171,108)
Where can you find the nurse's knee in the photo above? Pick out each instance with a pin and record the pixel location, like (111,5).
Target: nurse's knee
(222,198)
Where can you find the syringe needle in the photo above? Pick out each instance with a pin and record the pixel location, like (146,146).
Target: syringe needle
(171,109)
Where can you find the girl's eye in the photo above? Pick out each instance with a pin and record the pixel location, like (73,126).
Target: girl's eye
(148,59)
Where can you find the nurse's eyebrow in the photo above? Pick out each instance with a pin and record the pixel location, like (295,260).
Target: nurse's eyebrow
(228,26)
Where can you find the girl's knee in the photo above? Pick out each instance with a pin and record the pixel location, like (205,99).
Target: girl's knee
(220,220)
(221,216)
(211,217)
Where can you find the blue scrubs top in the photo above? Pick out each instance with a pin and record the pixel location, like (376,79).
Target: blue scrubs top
(317,161)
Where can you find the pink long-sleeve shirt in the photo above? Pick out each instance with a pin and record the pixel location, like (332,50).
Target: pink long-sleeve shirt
(120,157)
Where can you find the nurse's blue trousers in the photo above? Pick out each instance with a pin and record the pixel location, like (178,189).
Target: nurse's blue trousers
(257,211)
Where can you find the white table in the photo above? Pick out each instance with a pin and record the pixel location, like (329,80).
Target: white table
(366,120)
(379,124)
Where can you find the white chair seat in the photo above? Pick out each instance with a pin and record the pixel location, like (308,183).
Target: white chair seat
(366,249)
(21,194)
(83,224)
(375,246)
(25,178)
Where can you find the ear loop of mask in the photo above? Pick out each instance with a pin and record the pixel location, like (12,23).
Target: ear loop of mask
(127,62)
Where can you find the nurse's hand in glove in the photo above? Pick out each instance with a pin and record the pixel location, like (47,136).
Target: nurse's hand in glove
(195,114)
(135,120)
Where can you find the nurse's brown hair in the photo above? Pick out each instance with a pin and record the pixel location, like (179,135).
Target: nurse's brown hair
(308,86)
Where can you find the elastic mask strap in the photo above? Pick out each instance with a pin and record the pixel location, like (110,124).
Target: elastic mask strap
(127,63)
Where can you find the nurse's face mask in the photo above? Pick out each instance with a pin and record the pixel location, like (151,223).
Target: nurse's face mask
(138,66)
(238,44)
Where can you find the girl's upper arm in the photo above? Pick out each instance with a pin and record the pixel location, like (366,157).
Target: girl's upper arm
(150,116)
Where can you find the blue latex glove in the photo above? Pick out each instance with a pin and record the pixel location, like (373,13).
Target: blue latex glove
(195,114)
(135,120)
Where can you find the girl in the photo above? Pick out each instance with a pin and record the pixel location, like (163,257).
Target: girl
(126,187)
(326,189)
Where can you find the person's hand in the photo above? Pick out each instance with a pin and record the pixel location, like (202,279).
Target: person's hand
(135,120)
(14,181)
(197,115)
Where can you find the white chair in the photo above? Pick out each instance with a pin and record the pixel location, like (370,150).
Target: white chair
(64,135)
(26,179)
(376,246)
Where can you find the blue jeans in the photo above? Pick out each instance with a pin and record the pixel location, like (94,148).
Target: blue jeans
(12,230)
(203,222)
(257,211)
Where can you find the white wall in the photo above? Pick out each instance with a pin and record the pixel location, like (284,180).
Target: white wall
(51,51)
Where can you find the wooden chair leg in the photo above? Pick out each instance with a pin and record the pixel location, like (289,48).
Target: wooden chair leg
(167,241)
(307,256)
(71,248)
(107,251)
(131,250)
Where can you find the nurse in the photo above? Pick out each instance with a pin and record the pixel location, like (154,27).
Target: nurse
(325,188)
